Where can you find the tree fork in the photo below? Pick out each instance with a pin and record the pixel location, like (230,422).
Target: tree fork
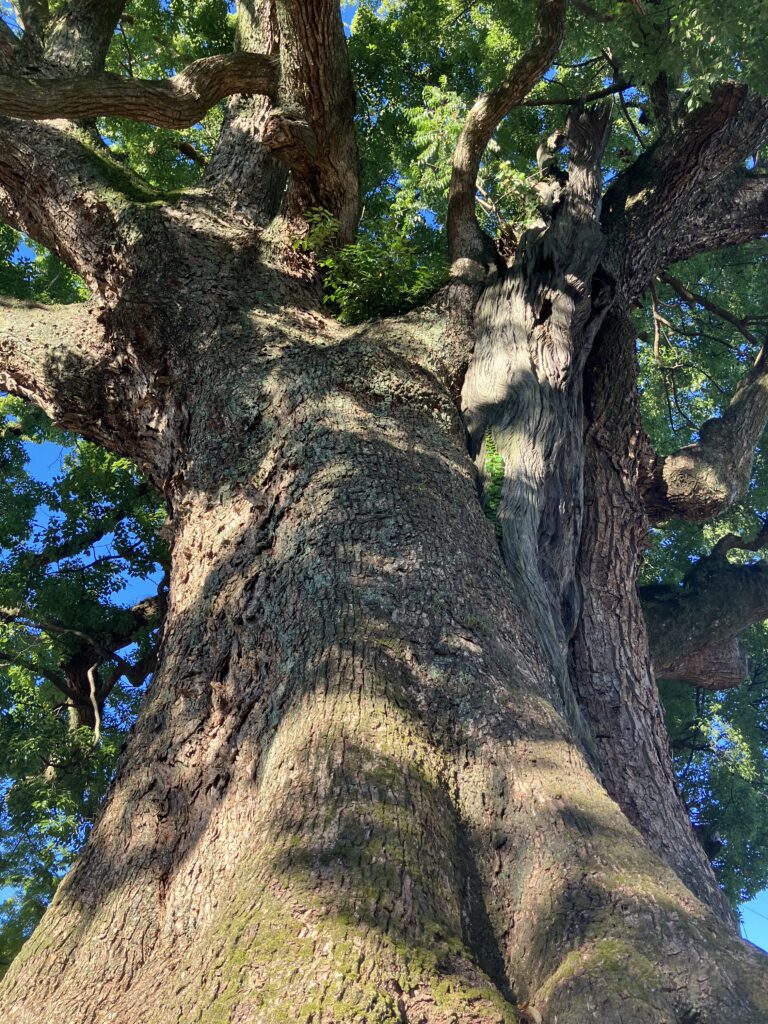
(354,792)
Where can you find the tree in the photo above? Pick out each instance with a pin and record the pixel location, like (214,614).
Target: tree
(388,769)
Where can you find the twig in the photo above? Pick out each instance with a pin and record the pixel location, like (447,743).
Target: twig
(95,704)
(570,101)
(692,299)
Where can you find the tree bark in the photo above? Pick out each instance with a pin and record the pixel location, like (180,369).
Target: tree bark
(353,793)
(360,790)
(611,665)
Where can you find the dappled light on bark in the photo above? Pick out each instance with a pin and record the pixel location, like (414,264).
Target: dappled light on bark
(391,767)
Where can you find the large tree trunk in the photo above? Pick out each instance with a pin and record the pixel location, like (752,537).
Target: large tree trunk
(354,793)
(610,664)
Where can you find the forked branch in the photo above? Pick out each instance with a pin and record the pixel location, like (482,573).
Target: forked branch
(177,102)
(465,237)
(661,209)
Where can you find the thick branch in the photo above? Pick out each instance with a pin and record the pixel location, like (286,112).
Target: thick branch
(65,196)
(316,85)
(79,37)
(732,212)
(660,209)
(310,130)
(465,238)
(702,479)
(42,350)
(178,102)
(34,16)
(59,358)
(719,666)
(694,629)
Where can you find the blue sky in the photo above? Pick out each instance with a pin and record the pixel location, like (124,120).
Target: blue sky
(754,920)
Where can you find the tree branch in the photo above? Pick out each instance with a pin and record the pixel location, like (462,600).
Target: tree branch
(574,101)
(57,679)
(34,17)
(60,358)
(590,12)
(81,542)
(79,37)
(178,102)
(66,196)
(733,211)
(718,666)
(466,240)
(659,209)
(702,479)
(310,130)
(694,629)
(692,300)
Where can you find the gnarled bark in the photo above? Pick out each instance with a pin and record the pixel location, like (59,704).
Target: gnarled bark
(352,794)
(359,789)
(610,661)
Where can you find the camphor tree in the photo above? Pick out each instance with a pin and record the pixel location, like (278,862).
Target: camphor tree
(390,769)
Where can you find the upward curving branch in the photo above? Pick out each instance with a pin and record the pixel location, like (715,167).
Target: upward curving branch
(659,210)
(177,102)
(703,479)
(466,240)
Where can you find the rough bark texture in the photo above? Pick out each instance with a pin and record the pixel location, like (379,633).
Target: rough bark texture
(352,794)
(716,602)
(173,103)
(610,661)
(360,790)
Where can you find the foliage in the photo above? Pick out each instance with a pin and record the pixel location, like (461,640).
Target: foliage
(719,742)
(155,40)
(382,273)
(493,481)
(35,272)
